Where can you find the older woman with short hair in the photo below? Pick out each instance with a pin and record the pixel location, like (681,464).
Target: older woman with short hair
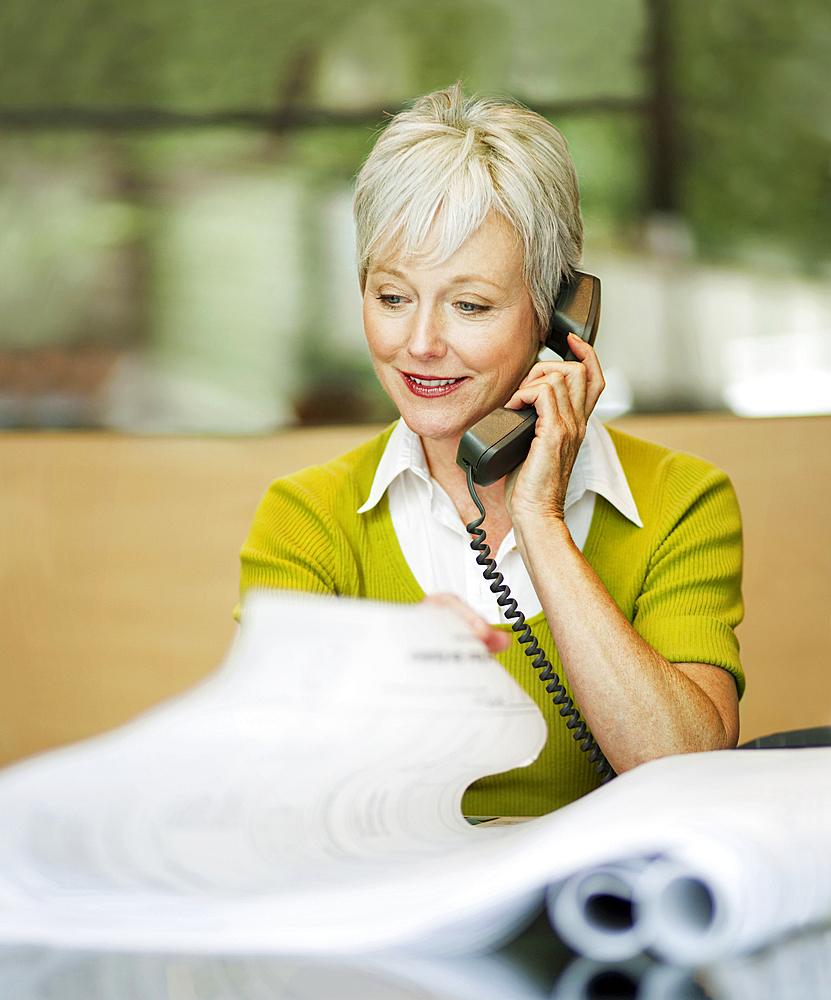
(624,557)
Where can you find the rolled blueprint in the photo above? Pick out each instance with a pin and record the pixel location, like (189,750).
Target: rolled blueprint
(614,912)
(700,902)
(595,912)
(683,914)
(662,905)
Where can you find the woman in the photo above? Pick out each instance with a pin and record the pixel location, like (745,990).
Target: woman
(624,557)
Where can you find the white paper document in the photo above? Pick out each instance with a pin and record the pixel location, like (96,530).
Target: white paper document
(306,800)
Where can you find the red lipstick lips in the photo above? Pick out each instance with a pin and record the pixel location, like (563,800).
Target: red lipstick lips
(421,385)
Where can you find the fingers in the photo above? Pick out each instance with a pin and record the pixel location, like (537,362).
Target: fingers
(595,381)
(560,406)
(583,380)
(496,640)
(564,393)
(558,397)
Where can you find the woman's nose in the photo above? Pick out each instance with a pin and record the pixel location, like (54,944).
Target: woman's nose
(427,335)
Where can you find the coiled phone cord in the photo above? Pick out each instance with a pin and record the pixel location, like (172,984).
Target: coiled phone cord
(568,710)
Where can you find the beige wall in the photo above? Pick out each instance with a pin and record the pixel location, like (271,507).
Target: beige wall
(118,558)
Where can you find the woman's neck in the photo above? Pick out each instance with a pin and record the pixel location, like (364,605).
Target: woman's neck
(441,459)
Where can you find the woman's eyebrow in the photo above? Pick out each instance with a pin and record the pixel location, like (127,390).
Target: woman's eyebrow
(456,279)
(466,279)
(384,270)
(391,271)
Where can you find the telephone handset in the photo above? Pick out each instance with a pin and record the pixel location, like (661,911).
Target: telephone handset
(500,441)
(495,446)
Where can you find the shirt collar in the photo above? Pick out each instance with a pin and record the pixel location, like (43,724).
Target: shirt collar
(597,468)
(403,452)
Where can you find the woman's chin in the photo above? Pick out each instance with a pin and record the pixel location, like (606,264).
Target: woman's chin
(439,419)
(435,429)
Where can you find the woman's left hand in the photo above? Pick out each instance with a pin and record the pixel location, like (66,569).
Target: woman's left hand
(564,394)
(496,640)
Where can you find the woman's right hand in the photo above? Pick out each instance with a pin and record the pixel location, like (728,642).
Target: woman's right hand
(564,394)
(495,639)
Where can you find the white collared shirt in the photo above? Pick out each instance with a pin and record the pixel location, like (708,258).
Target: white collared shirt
(433,538)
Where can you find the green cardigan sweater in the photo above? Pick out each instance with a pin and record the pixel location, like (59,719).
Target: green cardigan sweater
(677,579)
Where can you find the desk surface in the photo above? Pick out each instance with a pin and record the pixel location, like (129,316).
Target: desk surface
(536,966)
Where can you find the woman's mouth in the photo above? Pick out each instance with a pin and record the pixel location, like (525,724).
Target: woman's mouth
(431,387)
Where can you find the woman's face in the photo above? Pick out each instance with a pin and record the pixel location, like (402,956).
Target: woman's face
(451,342)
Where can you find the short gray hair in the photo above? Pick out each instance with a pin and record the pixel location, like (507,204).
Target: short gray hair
(455,159)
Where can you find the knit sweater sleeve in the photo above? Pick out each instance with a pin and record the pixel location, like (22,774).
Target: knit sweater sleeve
(690,602)
(307,535)
(296,541)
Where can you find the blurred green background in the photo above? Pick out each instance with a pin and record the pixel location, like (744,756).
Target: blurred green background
(175,188)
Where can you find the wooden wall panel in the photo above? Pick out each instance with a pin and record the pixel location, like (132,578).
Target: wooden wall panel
(118,562)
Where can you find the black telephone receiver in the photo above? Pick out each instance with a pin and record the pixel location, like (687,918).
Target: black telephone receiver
(500,441)
(496,445)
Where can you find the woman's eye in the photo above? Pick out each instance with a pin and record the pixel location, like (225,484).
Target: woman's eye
(390,300)
(471,307)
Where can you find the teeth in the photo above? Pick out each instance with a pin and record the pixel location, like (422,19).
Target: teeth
(432,383)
